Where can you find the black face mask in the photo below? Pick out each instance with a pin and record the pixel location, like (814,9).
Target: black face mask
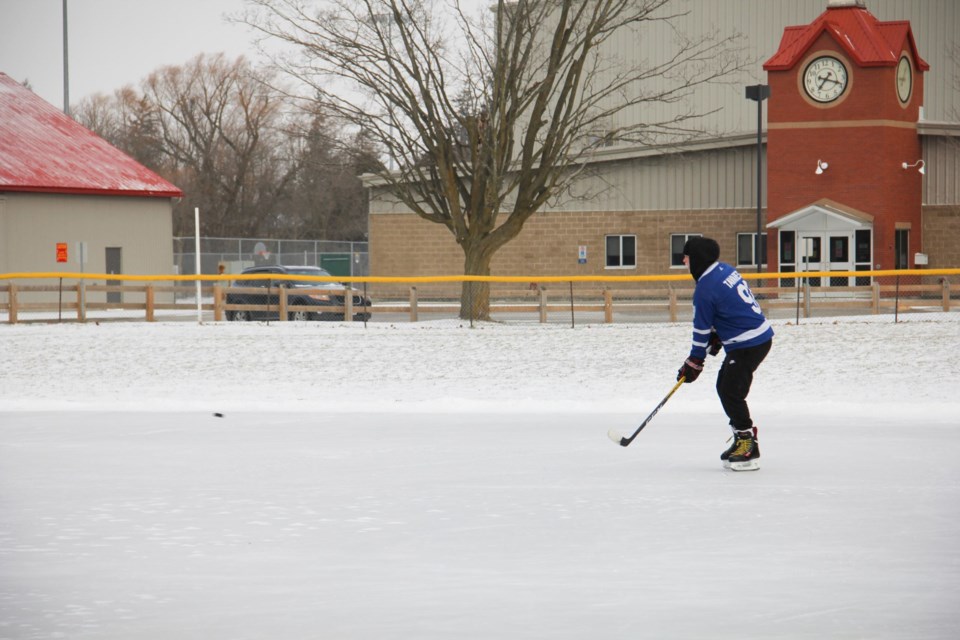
(702,252)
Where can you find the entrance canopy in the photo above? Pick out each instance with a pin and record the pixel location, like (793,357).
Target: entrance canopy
(825,236)
(823,215)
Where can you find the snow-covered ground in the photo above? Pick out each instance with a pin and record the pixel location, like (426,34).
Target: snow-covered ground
(437,481)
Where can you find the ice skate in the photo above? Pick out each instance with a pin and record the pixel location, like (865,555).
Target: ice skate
(725,456)
(744,453)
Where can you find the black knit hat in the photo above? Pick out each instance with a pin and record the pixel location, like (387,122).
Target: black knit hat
(703,252)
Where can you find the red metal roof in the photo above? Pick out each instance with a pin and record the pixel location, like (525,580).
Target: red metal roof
(44,151)
(868,41)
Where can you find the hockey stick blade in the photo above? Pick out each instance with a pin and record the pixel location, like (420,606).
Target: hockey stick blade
(614,435)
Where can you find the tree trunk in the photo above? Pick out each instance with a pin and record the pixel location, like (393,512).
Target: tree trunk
(475,296)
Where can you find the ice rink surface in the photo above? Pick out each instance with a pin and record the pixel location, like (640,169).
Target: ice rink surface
(447,482)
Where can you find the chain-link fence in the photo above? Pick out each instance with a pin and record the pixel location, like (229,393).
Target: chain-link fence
(302,295)
(236,254)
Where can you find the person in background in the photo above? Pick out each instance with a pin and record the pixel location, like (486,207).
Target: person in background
(727,316)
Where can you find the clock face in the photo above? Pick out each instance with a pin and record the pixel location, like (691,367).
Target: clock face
(825,79)
(904,79)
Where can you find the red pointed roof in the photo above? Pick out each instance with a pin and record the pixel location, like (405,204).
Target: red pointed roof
(44,151)
(868,41)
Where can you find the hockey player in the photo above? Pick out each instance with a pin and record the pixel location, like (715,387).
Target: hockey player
(726,315)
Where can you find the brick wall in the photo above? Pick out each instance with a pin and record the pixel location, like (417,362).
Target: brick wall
(941,229)
(405,245)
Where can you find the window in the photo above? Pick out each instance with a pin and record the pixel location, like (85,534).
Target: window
(788,257)
(788,248)
(902,249)
(811,250)
(677,241)
(621,252)
(839,249)
(863,255)
(863,250)
(746,245)
(811,256)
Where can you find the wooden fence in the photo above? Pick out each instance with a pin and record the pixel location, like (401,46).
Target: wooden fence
(630,298)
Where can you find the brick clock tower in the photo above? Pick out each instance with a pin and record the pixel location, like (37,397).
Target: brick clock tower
(844,168)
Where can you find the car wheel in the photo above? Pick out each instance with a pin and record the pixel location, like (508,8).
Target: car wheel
(299,315)
(239,316)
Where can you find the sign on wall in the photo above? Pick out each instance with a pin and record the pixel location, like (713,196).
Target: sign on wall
(61,252)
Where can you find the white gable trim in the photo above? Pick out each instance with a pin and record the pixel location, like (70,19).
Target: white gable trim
(822,217)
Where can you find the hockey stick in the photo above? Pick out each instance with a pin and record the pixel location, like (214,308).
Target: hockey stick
(622,441)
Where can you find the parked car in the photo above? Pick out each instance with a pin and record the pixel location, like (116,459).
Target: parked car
(298,294)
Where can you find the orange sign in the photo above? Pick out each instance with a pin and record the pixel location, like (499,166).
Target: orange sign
(61,252)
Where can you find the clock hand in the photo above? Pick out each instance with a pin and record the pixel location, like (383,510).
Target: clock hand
(824,79)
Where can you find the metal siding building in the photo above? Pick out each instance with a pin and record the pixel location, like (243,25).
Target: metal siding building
(710,185)
(61,183)
(718,180)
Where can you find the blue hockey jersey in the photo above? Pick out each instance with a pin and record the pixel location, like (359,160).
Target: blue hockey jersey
(723,302)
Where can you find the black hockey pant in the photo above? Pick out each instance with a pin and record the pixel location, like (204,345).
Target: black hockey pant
(734,380)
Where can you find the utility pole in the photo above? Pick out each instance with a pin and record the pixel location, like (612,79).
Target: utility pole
(66,64)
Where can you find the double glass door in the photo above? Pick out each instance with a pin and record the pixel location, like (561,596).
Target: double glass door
(826,252)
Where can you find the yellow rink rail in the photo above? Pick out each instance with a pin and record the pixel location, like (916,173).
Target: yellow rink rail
(678,277)
(42,296)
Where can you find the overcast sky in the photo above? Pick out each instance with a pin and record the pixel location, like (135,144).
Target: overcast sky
(112,43)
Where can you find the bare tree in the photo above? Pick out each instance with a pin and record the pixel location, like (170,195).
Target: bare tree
(128,121)
(328,199)
(255,163)
(483,121)
(221,124)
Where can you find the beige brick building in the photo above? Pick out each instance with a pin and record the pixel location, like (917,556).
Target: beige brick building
(550,243)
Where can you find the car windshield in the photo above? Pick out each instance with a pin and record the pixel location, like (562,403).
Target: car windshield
(307,271)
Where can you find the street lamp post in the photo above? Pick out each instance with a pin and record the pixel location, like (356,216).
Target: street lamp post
(759,93)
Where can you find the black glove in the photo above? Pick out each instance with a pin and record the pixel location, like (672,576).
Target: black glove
(713,344)
(691,369)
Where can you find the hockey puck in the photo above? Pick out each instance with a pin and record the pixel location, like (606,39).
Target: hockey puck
(217,415)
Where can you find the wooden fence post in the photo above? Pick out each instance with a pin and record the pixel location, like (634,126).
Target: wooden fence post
(543,305)
(946,294)
(413,304)
(672,304)
(283,303)
(13,303)
(607,306)
(150,303)
(347,302)
(217,302)
(875,304)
